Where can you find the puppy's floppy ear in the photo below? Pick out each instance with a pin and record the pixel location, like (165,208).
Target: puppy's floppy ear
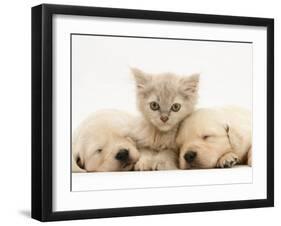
(77,165)
(226,127)
(189,85)
(181,135)
(141,78)
(79,162)
(235,139)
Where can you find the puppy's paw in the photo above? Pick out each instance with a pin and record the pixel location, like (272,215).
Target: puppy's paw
(249,160)
(228,160)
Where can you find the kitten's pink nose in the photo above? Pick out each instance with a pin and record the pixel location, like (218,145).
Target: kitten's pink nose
(164,118)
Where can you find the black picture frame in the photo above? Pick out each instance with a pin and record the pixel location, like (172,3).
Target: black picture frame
(42,107)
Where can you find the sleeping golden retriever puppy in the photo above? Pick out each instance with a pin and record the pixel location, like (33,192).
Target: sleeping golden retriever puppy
(101,143)
(215,137)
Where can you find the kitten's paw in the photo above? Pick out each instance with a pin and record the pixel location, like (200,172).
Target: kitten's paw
(228,160)
(165,165)
(165,160)
(143,165)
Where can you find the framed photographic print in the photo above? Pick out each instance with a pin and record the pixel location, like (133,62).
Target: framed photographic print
(140,112)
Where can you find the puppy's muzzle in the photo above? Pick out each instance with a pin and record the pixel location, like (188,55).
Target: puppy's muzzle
(122,155)
(190,156)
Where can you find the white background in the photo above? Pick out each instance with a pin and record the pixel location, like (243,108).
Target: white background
(15,112)
(101,76)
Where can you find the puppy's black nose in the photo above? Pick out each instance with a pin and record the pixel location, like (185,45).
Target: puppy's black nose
(190,156)
(122,155)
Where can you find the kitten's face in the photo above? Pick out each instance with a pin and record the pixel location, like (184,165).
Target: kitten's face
(165,99)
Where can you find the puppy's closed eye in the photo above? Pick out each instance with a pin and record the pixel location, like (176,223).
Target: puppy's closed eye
(205,137)
(99,150)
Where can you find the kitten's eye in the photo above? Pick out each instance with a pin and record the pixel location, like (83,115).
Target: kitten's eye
(154,106)
(205,137)
(99,150)
(176,107)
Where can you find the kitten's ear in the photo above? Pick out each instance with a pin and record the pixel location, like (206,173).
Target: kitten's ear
(190,84)
(141,77)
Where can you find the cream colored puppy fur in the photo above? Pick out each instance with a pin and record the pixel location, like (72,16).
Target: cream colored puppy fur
(219,137)
(99,140)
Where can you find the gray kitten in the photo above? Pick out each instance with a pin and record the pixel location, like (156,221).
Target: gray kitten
(164,100)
